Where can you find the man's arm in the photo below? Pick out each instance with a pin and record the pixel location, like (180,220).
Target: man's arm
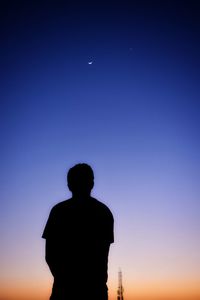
(51,256)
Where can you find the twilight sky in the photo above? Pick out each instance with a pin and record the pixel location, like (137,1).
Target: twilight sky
(133,115)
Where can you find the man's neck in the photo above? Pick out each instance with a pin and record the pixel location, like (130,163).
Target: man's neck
(81,196)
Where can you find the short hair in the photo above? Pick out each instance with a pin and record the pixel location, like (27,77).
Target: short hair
(80,177)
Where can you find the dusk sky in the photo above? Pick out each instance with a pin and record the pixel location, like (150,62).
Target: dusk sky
(132,114)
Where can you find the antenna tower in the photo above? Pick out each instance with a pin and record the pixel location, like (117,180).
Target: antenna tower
(120,290)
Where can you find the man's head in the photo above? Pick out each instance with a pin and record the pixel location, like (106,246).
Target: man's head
(80,179)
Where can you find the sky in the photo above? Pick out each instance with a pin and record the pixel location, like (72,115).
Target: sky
(133,115)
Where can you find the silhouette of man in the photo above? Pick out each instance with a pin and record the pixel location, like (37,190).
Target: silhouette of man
(78,235)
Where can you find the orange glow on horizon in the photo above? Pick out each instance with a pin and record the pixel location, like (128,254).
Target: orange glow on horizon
(40,290)
(165,290)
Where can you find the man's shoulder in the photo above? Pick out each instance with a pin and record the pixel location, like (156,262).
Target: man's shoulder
(101,206)
(69,204)
(60,205)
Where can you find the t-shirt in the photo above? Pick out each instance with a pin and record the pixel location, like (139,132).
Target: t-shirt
(81,232)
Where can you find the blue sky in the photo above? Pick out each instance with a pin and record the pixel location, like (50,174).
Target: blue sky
(133,115)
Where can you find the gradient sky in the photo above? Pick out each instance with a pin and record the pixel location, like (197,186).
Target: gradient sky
(133,115)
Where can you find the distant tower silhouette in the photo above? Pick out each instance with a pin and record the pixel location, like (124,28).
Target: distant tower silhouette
(120,290)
